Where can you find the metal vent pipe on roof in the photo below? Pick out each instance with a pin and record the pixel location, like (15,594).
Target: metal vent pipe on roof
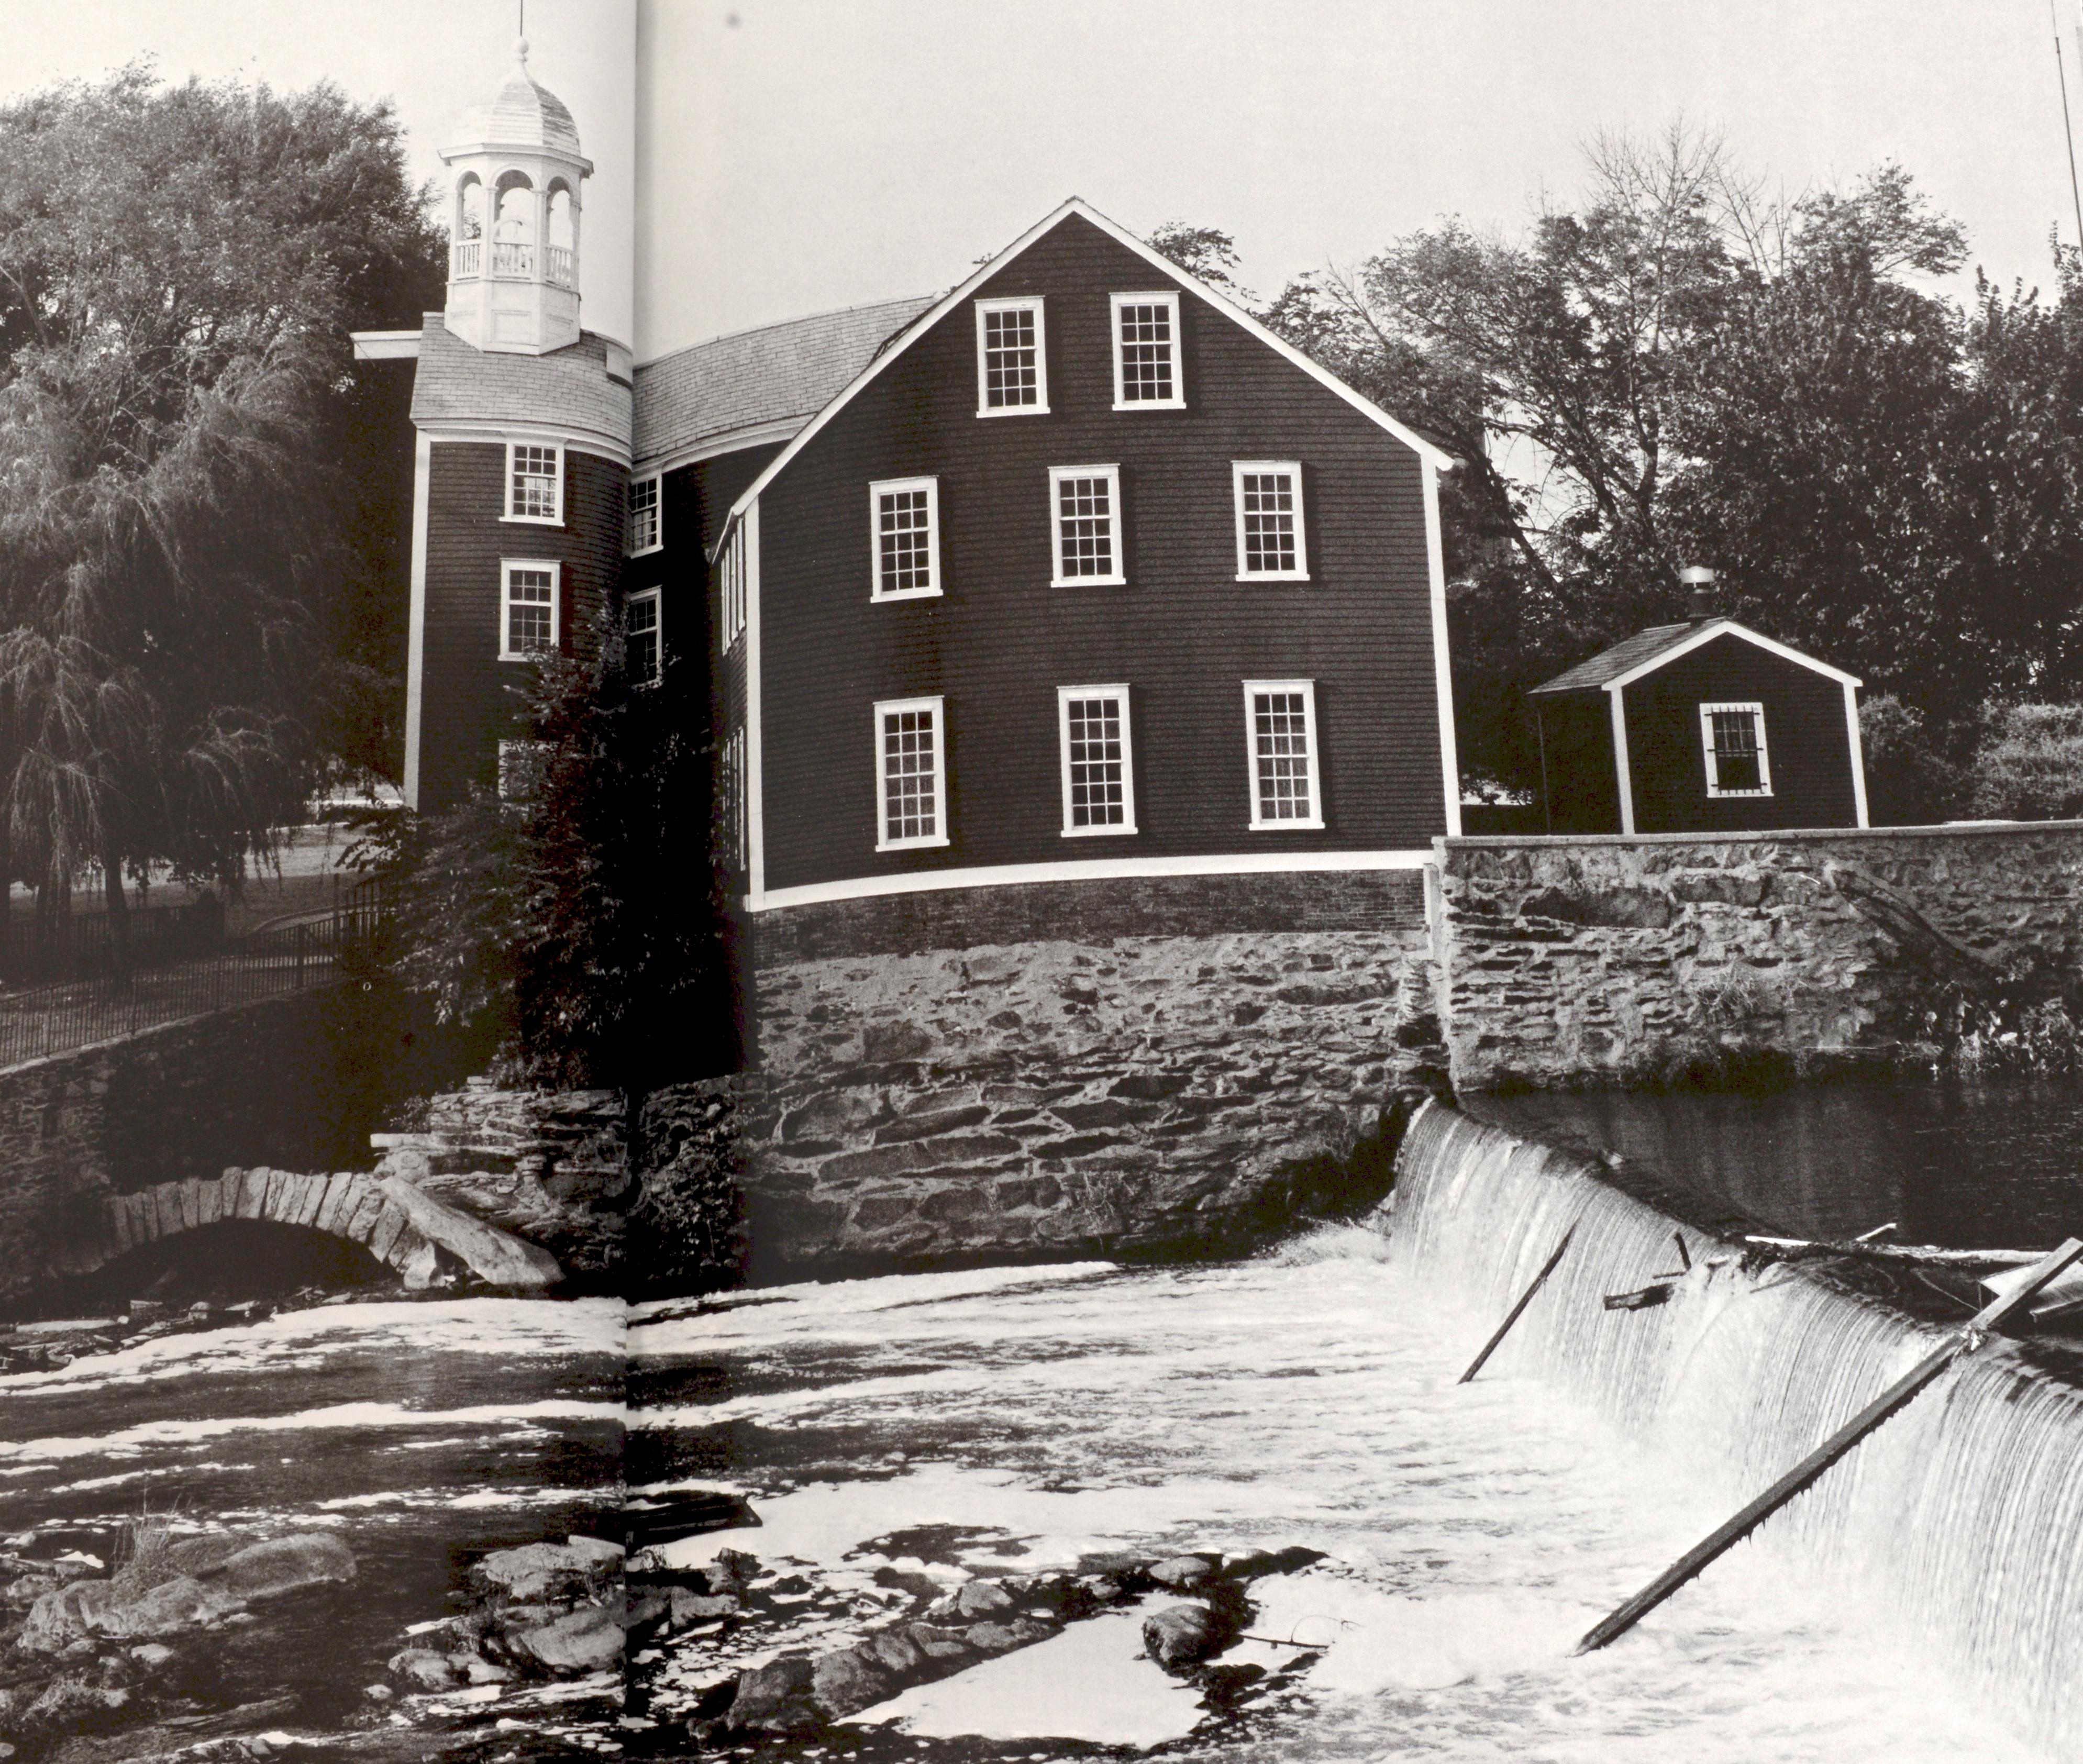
(1700,600)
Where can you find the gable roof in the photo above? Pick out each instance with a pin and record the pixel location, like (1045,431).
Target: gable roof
(1646,650)
(740,388)
(457,386)
(1426,450)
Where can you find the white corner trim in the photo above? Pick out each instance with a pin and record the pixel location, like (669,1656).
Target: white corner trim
(1858,752)
(1087,870)
(1622,776)
(755,866)
(949,301)
(1728,627)
(416,644)
(1443,661)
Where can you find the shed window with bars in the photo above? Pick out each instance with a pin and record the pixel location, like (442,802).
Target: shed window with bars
(1732,737)
(906,557)
(1099,784)
(535,481)
(1270,546)
(1280,716)
(1146,353)
(1012,364)
(1088,548)
(527,611)
(911,767)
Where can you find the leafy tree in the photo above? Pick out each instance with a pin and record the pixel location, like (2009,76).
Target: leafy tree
(179,268)
(2029,766)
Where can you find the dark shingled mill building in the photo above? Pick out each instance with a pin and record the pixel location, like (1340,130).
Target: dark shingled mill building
(1702,727)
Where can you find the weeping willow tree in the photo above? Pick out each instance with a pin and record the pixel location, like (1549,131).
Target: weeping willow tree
(179,268)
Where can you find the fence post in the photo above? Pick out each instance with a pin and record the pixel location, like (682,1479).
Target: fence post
(300,958)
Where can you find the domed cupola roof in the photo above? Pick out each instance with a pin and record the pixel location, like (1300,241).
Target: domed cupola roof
(522,114)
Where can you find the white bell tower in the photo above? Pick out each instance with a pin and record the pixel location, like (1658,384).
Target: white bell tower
(514,175)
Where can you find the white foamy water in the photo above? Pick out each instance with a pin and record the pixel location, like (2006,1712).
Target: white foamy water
(1472,1532)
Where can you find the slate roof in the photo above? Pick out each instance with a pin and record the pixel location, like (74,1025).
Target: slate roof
(1630,652)
(570,388)
(755,379)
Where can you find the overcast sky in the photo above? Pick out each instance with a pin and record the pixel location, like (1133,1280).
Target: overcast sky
(802,155)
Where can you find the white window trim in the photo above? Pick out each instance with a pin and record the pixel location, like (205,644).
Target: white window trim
(657,599)
(507,567)
(657,481)
(1057,474)
(1165,297)
(731,611)
(889,706)
(1756,708)
(1307,689)
(1040,406)
(889,486)
(1064,695)
(506,489)
(1293,467)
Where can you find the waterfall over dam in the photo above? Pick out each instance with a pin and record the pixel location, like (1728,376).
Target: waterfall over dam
(1962,1518)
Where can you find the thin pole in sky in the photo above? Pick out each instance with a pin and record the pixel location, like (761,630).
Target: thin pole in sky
(2068,132)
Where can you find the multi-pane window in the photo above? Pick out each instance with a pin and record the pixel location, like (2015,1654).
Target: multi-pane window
(534,482)
(1733,736)
(1146,353)
(644,533)
(1012,364)
(911,769)
(527,611)
(732,797)
(731,569)
(643,638)
(1086,503)
(905,513)
(1280,719)
(1270,546)
(1099,784)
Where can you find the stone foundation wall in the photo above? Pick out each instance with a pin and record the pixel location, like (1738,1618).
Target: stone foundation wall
(1610,960)
(1084,1092)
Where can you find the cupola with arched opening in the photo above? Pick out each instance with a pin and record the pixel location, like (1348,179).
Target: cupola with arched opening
(513,220)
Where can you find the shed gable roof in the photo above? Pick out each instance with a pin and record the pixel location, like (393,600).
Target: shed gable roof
(1431,454)
(1646,650)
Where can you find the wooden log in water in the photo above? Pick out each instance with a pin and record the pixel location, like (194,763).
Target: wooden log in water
(1903,1252)
(1726,1536)
(1525,1298)
(1644,1298)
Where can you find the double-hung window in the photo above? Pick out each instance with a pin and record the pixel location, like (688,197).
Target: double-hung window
(534,484)
(1146,354)
(1733,738)
(1012,358)
(643,638)
(644,533)
(1280,721)
(1085,519)
(1271,546)
(730,570)
(527,608)
(911,774)
(905,516)
(1099,782)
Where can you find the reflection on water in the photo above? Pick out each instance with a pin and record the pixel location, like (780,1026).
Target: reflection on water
(1987,1166)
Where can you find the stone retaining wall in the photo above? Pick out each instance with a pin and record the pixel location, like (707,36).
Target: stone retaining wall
(1610,960)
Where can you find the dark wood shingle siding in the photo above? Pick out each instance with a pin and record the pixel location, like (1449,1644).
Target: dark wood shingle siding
(1183,633)
(466,705)
(1806,744)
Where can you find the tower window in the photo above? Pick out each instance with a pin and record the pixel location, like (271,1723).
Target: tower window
(1270,546)
(534,484)
(906,559)
(733,842)
(1099,783)
(1146,353)
(731,570)
(1733,738)
(643,638)
(644,533)
(911,761)
(1012,364)
(527,610)
(1280,718)
(1085,502)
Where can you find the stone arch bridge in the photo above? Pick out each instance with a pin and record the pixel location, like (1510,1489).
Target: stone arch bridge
(399,1225)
